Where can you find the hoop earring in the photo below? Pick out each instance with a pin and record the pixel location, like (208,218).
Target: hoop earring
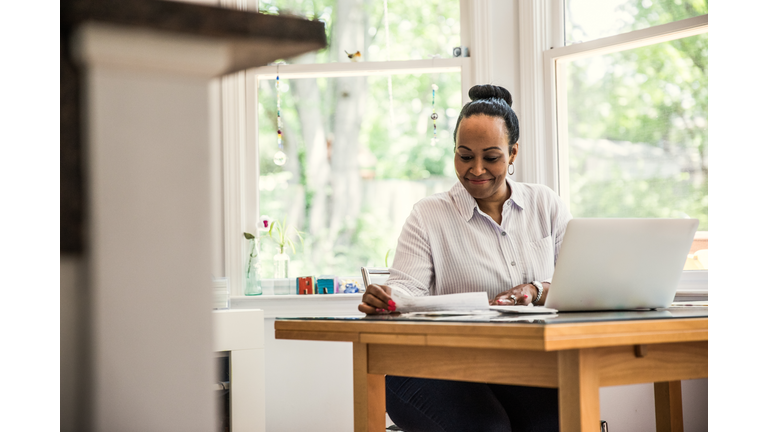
(513,168)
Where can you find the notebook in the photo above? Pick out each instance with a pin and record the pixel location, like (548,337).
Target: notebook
(620,264)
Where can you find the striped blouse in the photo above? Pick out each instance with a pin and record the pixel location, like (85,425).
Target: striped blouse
(448,245)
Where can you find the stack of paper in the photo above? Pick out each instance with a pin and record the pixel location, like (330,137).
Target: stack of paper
(529,309)
(465,302)
(459,304)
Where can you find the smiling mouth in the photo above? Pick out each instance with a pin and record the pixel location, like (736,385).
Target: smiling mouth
(478,181)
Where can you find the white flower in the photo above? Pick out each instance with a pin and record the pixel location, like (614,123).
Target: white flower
(264,223)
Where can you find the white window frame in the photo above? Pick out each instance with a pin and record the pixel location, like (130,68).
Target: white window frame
(239,124)
(522,58)
(542,54)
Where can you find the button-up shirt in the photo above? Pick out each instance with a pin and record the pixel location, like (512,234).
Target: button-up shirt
(448,245)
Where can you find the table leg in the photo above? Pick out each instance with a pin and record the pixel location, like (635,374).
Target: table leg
(369,394)
(579,391)
(668,397)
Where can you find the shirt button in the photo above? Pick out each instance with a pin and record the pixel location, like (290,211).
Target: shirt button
(513,263)
(503,233)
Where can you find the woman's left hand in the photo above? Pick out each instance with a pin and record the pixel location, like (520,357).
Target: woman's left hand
(520,295)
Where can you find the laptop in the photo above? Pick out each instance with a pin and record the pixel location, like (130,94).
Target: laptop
(620,264)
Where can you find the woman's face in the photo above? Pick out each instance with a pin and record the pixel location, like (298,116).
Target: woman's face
(482,156)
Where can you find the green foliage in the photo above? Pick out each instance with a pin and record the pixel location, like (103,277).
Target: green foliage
(649,13)
(653,198)
(417,30)
(279,233)
(404,150)
(655,95)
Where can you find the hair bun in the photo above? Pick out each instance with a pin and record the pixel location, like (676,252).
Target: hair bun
(489,91)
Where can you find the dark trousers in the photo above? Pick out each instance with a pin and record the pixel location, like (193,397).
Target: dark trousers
(421,405)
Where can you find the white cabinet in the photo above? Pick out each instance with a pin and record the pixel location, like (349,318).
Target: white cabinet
(241,333)
(309,377)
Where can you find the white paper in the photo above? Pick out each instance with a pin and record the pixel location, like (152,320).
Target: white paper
(528,309)
(499,317)
(445,313)
(449,302)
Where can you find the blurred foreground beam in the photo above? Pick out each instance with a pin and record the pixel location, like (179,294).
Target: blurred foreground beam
(135,218)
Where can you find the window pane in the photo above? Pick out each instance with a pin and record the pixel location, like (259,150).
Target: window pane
(353,173)
(587,20)
(637,133)
(417,30)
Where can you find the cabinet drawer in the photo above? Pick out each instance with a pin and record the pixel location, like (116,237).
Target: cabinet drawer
(235,330)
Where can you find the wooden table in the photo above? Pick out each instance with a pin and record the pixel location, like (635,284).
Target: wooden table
(576,352)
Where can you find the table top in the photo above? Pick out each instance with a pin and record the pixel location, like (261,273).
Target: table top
(538,319)
(566,330)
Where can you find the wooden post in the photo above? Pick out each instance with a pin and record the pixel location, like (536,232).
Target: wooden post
(370,402)
(668,397)
(579,391)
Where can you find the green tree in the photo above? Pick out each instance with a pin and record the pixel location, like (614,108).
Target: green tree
(653,96)
(329,163)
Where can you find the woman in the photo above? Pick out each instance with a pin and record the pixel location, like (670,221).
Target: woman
(486,234)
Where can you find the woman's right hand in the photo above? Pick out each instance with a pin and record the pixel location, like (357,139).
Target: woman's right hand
(377,299)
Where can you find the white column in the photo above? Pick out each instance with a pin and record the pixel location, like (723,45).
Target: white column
(240,164)
(241,332)
(147,142)
(482,46)
(538,158)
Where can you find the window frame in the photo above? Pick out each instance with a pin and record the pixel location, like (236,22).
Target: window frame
(522,58)
(555,58)
(542,53)
(239,123)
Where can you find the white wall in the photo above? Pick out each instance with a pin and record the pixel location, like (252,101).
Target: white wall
(631,409)
(309,384)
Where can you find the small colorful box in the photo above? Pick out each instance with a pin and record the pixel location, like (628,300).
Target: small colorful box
(350,286)
(327,284)
(305,285)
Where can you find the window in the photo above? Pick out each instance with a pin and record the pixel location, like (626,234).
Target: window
(587,20)
(404,31)
(358,135)
(632,112)
(353,172)
(534,59)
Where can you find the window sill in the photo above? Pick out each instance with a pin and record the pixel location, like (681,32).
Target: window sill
(295,306)
(693,286)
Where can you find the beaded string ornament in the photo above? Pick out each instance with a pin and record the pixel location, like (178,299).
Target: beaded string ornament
(434,116)
(389,77)
(280,157)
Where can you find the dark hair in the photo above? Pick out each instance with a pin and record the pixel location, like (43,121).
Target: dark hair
(493,101)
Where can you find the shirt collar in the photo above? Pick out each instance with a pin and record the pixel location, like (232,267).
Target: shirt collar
(463,200)
(466,204)
(519,195)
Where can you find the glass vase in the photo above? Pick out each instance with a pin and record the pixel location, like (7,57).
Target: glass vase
(253,269)
(281,260)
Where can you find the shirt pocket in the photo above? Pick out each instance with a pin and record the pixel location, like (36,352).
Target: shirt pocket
(541,258)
